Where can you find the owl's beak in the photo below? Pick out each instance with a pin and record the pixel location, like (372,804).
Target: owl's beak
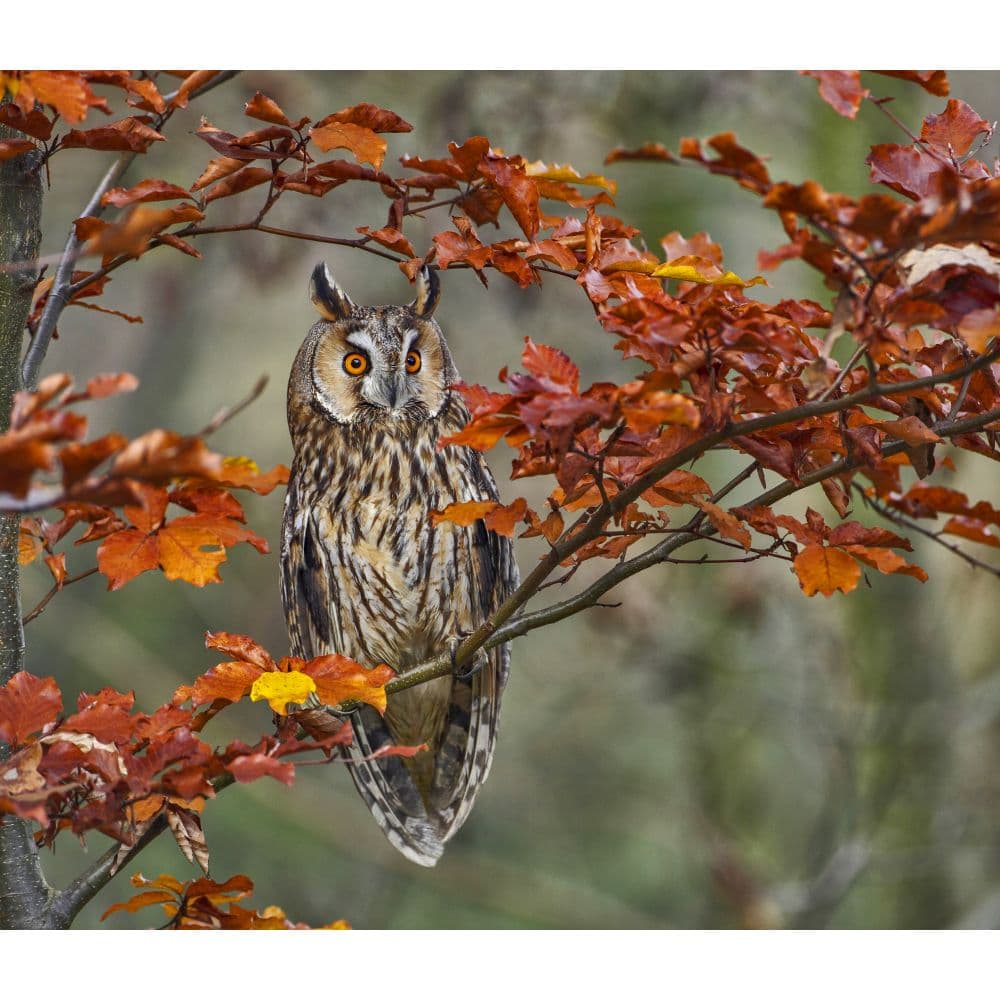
(389,391)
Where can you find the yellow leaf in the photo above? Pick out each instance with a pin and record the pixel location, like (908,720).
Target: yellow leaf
(281,689)
(685,272)
(564,172)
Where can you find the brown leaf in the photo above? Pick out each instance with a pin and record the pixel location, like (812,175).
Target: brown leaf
(519,192)
(19,772)
(146,190)
(258,765)
(934,81)
(192,82)
(27,705)
(955,129)
(235,183)
(31,122)
(726,523)
(221,166)
(841,89)
(185,825)
(647,151)
(266,110)
(391,238)
(128,135)
(368,116)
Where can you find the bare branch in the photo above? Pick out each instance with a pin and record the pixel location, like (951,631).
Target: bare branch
(62,288)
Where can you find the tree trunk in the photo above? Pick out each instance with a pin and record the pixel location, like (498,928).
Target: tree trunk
(24,894)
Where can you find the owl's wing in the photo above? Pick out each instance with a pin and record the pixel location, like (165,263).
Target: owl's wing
(312,607)
(466,754)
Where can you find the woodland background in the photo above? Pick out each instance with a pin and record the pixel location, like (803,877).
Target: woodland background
(717,752)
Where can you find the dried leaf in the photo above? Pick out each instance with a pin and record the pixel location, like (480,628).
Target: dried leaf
(823,570)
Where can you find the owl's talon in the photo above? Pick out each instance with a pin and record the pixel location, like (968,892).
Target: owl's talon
(479,660)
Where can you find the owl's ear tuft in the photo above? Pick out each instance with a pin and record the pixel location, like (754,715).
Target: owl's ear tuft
(428,293)
(330,300)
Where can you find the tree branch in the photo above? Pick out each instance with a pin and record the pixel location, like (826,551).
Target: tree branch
(62,288)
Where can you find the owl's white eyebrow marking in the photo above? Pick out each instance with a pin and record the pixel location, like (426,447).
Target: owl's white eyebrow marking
(408,338)
(361,339)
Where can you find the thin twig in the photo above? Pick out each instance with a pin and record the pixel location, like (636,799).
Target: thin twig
(228,412)
(59,294)
(904,522)
(56,587)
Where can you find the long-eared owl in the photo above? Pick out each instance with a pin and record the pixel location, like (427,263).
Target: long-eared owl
(364,571)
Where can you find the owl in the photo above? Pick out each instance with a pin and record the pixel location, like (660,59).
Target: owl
(364,571)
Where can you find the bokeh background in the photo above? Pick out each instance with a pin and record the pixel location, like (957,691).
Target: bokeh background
(718,751)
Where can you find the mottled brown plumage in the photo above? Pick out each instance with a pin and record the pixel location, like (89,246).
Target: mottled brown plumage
(366,574)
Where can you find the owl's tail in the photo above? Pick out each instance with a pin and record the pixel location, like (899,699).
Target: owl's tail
(419,821)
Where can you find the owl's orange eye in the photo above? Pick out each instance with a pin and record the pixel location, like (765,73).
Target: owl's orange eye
(413,362)
(355,364)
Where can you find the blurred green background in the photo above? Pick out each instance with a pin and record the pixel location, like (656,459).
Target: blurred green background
(719,751)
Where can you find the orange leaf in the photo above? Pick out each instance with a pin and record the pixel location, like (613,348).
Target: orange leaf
(125,554)
(242,647)
(726,523)
(191,551)
(229,681)
(503,520)
(363,143)
(823,570)
(973,529)
(339,679)
(266,110)
(28,545)
(244,474)
(464,513)
(885,561)
(142,899)
(147,190)
(483,432)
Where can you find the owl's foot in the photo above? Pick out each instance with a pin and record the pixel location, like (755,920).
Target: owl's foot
(470,669)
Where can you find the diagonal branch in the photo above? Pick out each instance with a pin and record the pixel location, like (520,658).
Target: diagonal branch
(61,290)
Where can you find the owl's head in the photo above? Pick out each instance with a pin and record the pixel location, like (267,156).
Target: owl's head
(373,364)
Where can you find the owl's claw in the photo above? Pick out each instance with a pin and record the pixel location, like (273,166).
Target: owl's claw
(479,660)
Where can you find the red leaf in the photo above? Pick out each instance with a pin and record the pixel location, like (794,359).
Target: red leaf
(954,130)
(32,122)
(934,81)
(841,89)
(519,192)
(906,169)
(27,705)
(15,147)
(259,765)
